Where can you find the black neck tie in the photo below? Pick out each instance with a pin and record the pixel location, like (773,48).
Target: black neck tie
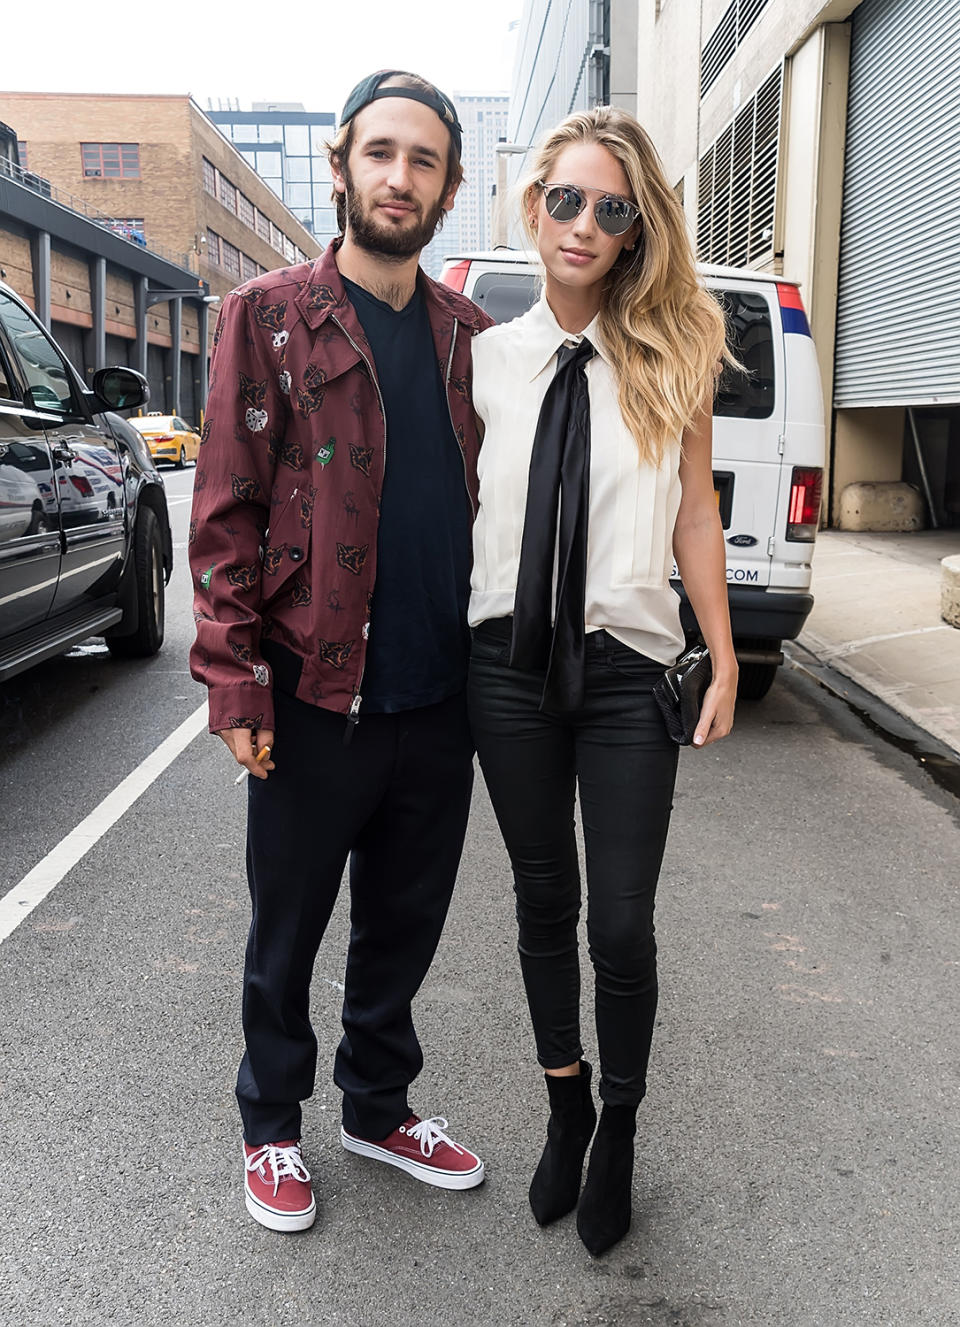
(559,476)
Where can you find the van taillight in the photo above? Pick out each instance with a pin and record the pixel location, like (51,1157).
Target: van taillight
(804,516)
(456,275)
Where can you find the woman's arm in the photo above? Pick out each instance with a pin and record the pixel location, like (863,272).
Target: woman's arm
(701,560)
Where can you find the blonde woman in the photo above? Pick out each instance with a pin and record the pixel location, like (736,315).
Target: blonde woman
(595,474)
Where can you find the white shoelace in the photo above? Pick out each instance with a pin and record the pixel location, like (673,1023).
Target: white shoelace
(283,1161)
(430,1132)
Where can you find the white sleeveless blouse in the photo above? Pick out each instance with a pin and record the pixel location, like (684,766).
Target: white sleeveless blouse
(633,507)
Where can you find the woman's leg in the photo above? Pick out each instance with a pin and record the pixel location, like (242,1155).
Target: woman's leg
(527,763)
(627,768)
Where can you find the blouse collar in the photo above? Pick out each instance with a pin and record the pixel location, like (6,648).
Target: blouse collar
(544,336)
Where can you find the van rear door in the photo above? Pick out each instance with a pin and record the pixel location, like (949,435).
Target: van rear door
(748,427)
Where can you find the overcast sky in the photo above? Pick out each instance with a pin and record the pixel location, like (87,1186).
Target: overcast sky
(280,50)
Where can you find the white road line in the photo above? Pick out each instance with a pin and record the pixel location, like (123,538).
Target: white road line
(174,502)
(47,874)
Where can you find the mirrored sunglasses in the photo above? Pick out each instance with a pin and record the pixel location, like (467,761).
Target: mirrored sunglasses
(615,215)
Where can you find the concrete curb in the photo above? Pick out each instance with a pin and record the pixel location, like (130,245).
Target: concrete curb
(950,590)
(940,760)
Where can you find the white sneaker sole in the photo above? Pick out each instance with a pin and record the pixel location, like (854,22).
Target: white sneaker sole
(441,1179)
(283,1221)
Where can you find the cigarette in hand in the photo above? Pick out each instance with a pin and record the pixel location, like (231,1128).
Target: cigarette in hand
(261,756)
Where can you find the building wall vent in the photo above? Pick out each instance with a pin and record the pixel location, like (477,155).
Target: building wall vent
(738,18)
(738,183)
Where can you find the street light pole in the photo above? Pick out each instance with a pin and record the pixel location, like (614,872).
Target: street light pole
(500,221)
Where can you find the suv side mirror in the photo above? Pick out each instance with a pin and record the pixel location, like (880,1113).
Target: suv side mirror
(121,389)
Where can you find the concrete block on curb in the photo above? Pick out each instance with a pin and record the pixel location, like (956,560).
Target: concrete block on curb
(891,506)
(950,590)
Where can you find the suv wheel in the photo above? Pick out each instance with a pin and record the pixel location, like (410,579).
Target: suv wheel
(148,565)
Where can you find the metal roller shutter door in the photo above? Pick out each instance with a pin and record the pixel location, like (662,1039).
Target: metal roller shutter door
(898,334)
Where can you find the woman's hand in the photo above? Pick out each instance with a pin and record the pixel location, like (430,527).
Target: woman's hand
(716,712)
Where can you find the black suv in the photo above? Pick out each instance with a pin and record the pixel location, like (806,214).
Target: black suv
(85,547)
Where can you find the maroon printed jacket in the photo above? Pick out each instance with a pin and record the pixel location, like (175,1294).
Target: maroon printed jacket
(283,536)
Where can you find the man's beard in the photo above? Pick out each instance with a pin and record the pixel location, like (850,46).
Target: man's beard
(384,240)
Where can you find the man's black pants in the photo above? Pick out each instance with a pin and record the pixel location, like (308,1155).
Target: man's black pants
(395,802)
(616,752)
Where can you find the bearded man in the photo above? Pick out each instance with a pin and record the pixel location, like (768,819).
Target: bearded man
(331,576)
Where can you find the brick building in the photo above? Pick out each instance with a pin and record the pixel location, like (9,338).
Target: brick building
(156,173)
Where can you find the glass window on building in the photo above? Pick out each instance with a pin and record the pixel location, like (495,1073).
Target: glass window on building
(297,195)
(298,168)
(297,140)
(227,193)
(269,163)
(111,160)
(230,257)
(319,134)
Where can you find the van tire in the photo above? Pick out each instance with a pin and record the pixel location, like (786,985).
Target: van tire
(756,679)
(148,568)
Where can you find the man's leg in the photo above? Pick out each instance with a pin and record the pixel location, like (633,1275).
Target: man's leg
(302,822)
(402,874)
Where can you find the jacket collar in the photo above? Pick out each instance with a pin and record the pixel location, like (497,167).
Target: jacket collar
(324,295)
(324,291)
(543,336)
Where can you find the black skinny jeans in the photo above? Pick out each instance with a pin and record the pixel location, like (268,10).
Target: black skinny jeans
(617,750)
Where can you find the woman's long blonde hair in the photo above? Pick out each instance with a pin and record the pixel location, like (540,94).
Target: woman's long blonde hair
(663,331)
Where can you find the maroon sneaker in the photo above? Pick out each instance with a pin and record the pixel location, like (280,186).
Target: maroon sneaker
(423,1150)
(277,1186)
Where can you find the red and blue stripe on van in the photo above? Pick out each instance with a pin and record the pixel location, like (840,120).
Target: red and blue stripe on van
(792,314)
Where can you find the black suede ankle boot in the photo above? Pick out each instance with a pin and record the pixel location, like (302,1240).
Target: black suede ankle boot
(603,1216)
(556,1184)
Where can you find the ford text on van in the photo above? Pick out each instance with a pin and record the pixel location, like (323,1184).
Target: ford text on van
(768,446)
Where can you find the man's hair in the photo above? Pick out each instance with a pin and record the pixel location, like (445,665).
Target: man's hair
(338,148)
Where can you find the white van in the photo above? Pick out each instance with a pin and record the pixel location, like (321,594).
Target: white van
(768,445)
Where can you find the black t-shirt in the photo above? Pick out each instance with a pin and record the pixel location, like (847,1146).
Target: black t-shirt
(418,646)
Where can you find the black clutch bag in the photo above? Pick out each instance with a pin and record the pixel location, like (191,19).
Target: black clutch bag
(679,693)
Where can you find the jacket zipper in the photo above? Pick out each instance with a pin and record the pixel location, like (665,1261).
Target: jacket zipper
(463,457)
(353,714)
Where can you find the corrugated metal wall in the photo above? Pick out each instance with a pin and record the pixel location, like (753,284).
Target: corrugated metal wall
(898,330)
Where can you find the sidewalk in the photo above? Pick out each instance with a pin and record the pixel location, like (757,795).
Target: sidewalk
(876,618)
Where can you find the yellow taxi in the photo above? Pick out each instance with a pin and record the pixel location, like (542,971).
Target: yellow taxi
(168,438)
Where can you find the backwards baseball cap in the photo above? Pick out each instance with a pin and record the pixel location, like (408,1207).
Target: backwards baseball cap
(370,89)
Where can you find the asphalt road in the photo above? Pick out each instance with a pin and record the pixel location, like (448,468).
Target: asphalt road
(797,1154)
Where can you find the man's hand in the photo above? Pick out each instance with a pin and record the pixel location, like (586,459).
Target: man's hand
(247,745)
